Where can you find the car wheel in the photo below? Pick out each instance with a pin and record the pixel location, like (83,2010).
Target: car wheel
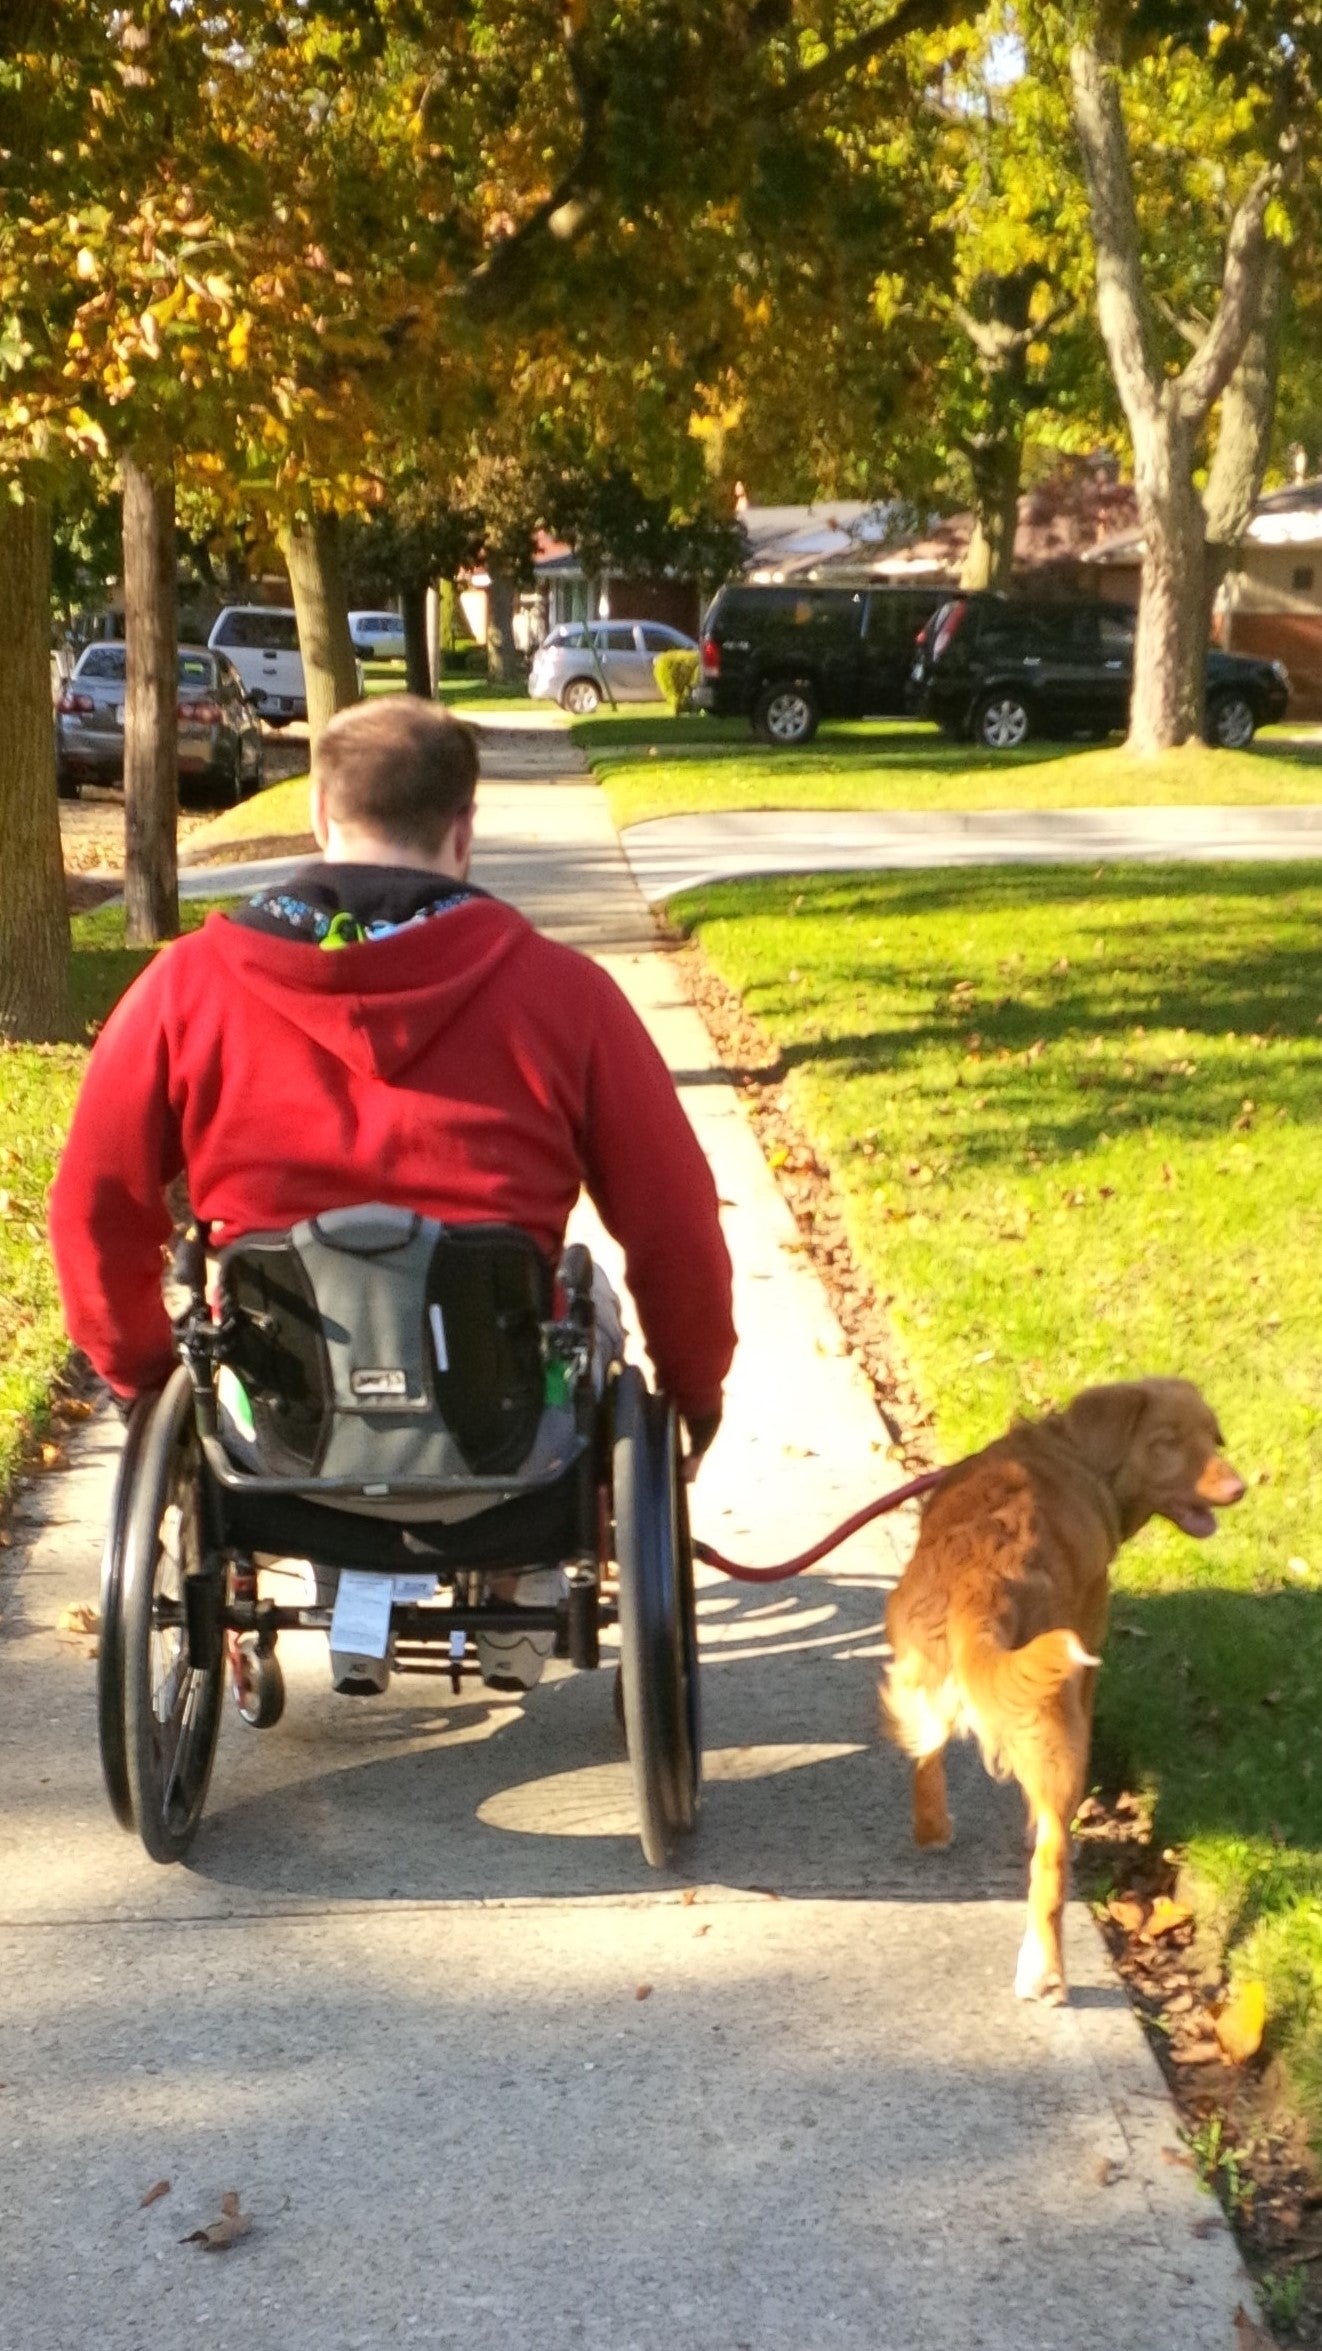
(69,787)
(581,697)
(256,779)
(1232,722)
(1003,722)
(786,716)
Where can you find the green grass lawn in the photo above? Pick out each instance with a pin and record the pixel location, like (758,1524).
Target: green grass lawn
(652,765)
(38,1086)
(274,823)
(1076,1121)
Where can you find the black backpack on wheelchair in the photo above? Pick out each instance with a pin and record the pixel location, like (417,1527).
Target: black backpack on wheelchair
(375,1391)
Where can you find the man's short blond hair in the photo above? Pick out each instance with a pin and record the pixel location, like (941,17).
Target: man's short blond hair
(399,768)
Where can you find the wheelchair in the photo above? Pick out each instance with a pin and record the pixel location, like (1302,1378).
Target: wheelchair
(423,1407)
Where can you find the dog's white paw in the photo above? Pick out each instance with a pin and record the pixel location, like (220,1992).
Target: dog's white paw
(1035,1978)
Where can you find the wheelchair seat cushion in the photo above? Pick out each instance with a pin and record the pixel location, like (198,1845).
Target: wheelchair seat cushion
(375,1344)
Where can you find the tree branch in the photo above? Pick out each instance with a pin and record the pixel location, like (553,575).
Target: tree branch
(1191,330)
(1121,301)
(565,213)
(911,16)
(1217,356)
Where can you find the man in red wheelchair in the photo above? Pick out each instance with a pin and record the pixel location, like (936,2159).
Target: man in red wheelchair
(381,1029)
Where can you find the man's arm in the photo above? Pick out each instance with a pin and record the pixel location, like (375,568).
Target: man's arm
(651,1184)
(108,1218)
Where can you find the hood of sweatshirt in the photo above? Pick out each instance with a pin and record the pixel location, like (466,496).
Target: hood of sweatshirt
(380,1004)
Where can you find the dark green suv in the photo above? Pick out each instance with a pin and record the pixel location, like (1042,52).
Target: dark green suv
(787,657)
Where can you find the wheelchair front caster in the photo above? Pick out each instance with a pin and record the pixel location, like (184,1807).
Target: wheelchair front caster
(258,1685)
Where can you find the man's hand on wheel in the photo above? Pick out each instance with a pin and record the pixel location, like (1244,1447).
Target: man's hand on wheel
(700,1433)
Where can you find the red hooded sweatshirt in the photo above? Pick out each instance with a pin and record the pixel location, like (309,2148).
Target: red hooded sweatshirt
(465,1067)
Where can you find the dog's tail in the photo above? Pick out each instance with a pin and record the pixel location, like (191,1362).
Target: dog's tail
(1007,1690)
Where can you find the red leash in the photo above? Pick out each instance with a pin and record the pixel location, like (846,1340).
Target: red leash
(840,1534)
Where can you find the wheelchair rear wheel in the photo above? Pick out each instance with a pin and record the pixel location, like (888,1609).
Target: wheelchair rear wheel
(658,1627)
(172,1646)
(110,1656)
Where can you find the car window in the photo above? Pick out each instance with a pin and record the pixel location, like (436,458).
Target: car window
(1003,632)
(195,670)
(268,632)
(1115,632)
(894,618)
(657,639)
(102,661)
(616,638)
(1051,632)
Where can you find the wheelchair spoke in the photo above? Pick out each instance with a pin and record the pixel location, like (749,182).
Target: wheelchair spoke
(182,1745)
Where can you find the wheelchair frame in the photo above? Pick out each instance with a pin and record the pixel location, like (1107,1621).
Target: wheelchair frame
(179,1590)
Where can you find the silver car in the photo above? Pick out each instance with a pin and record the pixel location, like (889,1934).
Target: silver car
(585,663)
(377,636)
(220,734)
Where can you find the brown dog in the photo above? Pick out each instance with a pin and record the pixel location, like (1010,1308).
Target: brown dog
(997,1623)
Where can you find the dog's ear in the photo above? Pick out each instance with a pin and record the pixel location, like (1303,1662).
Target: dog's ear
(1103,1423)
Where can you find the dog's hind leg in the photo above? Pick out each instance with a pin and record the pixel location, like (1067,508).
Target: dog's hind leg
(931,1812)
(917,1712)
(1050,1765)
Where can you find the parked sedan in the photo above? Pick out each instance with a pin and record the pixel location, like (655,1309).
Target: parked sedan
(220,735)
(584,663)
(377,636)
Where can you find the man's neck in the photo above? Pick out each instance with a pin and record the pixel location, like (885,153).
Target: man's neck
(369,849)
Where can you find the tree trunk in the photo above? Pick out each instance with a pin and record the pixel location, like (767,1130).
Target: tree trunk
(502,653)
(1170,647)
(312,555)
(1243,441)
(151,706)
(989,561)
(1166,413)
(34,917)
(417,657)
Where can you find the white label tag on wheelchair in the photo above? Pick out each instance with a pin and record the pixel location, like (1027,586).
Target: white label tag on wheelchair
(415,1587)
(360,1619)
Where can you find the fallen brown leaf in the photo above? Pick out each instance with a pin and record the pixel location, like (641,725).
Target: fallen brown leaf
(1211,2226)
(78,1617)
(1249,2336)
(1241,2023)
(689,1897)
(1176,2160)
(219,2235)
(1199,2053)
(1127,1911)
(154,2194)
(1107,2171)
(1166,1917)
(642,1992)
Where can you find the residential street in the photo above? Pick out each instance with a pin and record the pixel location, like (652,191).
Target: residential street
(479,2076)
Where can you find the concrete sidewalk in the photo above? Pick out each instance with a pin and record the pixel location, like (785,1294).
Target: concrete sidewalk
(395,1998)
(672,853)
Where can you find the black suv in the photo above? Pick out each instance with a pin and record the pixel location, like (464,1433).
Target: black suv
(1003,668)
(788,657)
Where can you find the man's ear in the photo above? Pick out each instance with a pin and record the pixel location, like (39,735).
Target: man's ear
(317,811)
(461,840)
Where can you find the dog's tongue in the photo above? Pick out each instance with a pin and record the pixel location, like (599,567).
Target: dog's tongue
(1193,1518)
